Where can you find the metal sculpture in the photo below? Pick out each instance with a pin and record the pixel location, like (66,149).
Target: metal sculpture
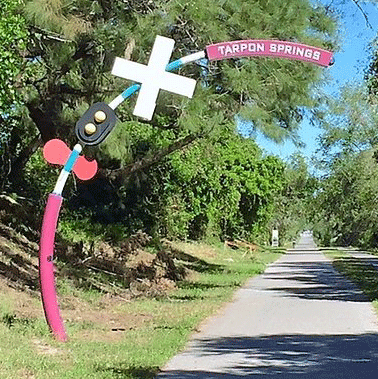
(99,120)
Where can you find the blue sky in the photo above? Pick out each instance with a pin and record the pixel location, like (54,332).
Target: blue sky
(349,66)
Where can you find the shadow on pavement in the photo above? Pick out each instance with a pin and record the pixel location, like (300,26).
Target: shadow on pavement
(315,281)
(288,357)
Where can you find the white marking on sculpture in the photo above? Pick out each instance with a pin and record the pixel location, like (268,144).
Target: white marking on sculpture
(153,77)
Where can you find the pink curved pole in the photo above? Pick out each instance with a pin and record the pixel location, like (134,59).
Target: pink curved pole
(46,267)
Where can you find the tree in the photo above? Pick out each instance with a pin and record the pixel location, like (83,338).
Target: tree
(345,206)
(13,35)
(292,205)
(349,126)
(68,58)
(74,43)
(222,189)
(229,194)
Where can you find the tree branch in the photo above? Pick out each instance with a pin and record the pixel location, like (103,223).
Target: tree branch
(357,3)
(150,160)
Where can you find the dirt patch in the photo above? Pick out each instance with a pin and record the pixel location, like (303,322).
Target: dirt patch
(198,250)
(121,273)
(100,322)
(24,304)
(26,374)
(107,326)
(125,269)
(44,348)
(104,322)
(141,258)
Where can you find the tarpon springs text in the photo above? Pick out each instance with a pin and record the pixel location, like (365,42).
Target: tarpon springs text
(281,49)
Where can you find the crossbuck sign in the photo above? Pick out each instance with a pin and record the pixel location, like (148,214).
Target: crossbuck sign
(153,77)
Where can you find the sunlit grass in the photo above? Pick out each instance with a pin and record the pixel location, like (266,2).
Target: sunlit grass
(359,271)
(161,327)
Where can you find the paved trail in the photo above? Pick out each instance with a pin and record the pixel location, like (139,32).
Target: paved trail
(300,319)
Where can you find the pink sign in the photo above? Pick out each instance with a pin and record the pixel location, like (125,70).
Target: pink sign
(269,48)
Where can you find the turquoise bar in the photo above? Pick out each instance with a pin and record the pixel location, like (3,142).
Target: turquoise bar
(174,65)
(130,91)
(71,161)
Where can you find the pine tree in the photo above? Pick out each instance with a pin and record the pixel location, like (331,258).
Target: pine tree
(74,43)
(66,66)
(72,46)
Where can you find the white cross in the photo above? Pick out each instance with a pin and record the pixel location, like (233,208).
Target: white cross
(153,77)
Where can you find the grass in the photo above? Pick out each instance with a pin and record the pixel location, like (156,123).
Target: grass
(359,271)
(116,338)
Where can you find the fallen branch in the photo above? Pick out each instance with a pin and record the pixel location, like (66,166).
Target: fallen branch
(241,245)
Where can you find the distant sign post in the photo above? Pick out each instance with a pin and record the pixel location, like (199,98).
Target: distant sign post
(275,238)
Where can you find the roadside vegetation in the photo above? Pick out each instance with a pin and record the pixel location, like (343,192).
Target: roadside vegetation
(122,336)
(359,271)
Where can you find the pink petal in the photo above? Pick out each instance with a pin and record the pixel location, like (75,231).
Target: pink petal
(56,152)
(85,169)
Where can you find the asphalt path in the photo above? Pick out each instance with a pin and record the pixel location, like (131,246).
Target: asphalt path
(300,319)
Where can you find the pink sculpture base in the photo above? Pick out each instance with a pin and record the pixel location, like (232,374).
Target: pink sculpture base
(46,268)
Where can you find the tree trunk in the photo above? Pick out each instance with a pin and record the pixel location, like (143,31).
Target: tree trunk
(20,161)
(44,120)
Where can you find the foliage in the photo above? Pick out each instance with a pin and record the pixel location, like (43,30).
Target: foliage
(224,189)
(74,44)
(13,37)
(350,126)
(345,206)
(293,204)
(210,189)
(219,187)
(269,93)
